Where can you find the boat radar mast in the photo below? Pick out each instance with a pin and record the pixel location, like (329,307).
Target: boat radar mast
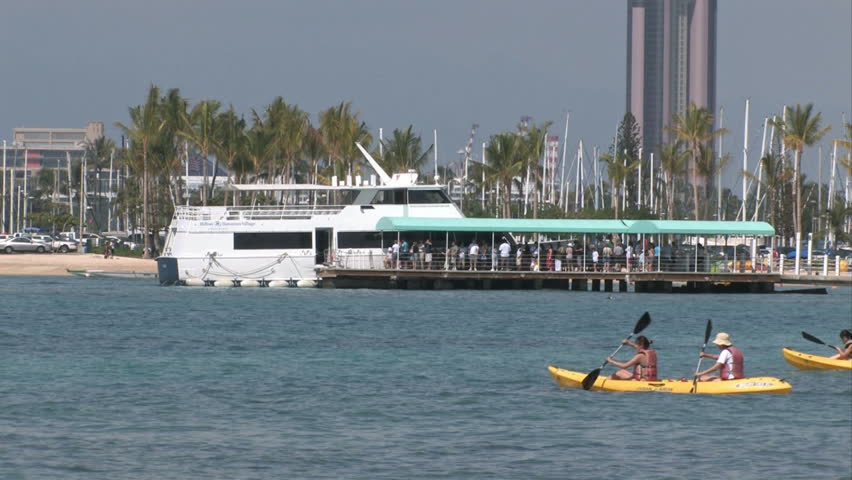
(399,179)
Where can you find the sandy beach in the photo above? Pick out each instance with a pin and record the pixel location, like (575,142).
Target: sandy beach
(58,263)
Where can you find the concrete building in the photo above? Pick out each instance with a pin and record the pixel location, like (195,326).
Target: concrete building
(671,62)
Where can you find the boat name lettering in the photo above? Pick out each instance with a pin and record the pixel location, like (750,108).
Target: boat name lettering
(226,224)
(654,389)
(753,384)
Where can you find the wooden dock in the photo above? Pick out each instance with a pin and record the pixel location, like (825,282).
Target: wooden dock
(645,282)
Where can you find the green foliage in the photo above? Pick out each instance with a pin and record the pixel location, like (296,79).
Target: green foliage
(403,151)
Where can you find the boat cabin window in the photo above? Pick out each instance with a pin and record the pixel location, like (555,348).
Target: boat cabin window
(364,239)
(427,196)
(272,240)
(389,197)
(336,197)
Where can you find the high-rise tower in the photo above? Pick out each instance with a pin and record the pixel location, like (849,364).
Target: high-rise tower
(671,62)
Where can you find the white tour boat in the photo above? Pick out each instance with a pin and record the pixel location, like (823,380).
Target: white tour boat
(310,228)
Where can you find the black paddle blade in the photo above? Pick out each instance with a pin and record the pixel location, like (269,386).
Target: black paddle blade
(708,331)
(589,381)
(808,336)
(643,322)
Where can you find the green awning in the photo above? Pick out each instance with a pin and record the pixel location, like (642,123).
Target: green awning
(513,225)
(700,227)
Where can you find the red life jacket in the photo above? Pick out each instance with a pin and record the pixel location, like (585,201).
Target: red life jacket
(736,364)
(648,370)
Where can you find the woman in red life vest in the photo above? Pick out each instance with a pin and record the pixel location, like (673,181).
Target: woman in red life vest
(729,362)
(644,363)
(845,352)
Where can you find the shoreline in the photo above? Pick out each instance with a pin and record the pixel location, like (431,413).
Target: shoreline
(58,264)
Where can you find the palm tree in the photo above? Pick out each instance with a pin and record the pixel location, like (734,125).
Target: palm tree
(533,139)
(145,125)
(846,161)
(673,163)
(232,140)
(174,110)
(340,129)
(98,153)
(199,127)
(313,151)
(800,129)
(259,148)
(708,167)
(403,151)
(506,162)
(775,176)
(618,172)
(694,128)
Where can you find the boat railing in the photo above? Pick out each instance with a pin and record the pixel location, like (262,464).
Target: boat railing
(263,212)
(376,259)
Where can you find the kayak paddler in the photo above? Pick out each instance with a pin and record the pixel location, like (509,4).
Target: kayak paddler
(846,352)
(729,361)
(644,363)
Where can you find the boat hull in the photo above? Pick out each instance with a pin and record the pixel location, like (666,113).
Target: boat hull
(568,378)
(806,361)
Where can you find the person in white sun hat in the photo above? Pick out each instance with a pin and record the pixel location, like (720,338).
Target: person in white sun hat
(729,361)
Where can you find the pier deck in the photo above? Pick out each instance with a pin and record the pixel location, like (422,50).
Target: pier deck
(651,282)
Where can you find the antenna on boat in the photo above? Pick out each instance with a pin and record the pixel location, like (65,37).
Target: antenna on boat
(382,175)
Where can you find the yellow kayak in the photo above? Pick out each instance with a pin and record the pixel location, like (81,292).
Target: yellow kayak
(568,378)
(806,361)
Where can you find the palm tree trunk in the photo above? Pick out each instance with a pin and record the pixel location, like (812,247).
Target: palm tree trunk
(798,193)
(695,181)
(670,199)
(204,180)
(146,241)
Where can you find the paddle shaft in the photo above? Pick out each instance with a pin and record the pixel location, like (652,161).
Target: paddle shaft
(616,350)
(707,332)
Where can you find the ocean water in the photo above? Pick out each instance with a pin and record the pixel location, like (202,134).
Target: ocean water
(104,379)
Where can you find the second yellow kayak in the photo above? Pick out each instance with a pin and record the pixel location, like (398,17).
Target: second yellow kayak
(568,378)
(806,361)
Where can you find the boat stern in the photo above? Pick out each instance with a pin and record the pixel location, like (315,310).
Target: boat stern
(167,270)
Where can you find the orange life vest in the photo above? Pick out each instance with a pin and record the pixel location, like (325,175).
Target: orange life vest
(648,369)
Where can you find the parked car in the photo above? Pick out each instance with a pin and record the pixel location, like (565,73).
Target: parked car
(23,244)
(803,252)
(61,245)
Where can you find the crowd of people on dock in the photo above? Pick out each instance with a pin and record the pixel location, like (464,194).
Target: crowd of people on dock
(602,255)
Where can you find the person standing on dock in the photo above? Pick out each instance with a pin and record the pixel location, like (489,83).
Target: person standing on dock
(618,252)
(395,250)
(427,253)
(729,361)
(569,258)
(473,254)
(505,250)
(628,255)
(403,254)
(453,255)
(519,258)
(607,256)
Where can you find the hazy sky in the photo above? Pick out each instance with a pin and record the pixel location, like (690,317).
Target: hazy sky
(441,64)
